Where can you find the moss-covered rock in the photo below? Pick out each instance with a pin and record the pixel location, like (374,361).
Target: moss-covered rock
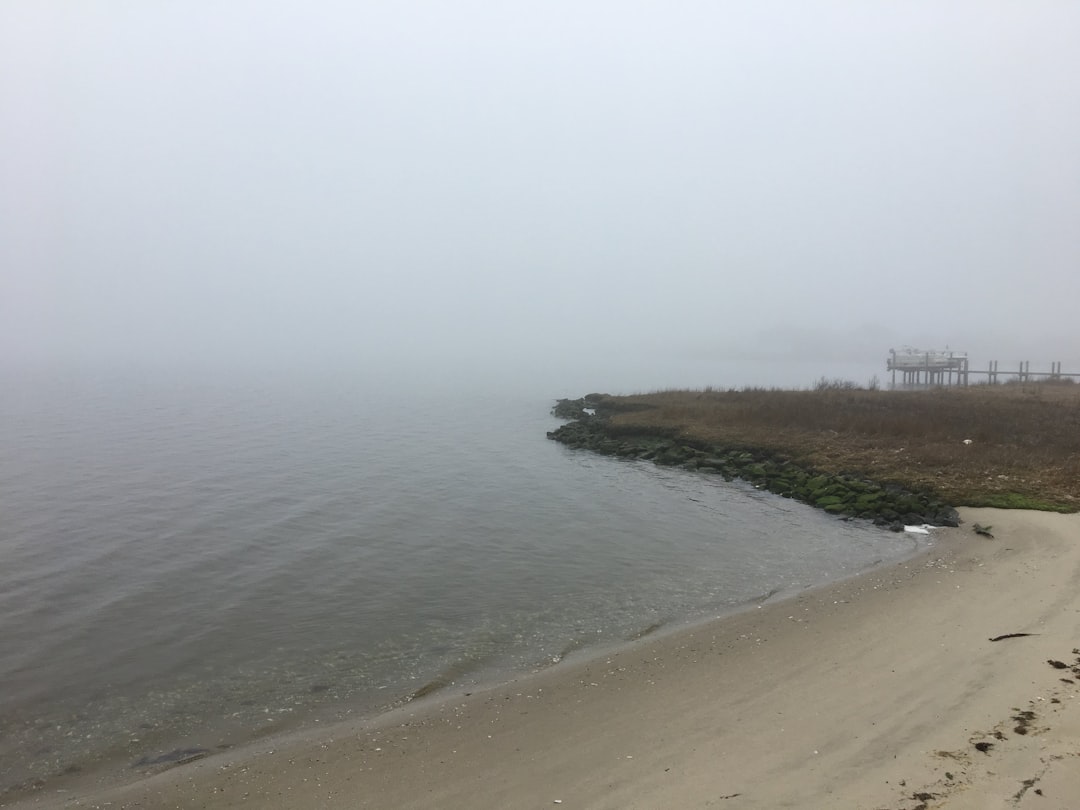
(588,428)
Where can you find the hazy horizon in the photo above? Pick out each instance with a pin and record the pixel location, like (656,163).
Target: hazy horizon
(620,196)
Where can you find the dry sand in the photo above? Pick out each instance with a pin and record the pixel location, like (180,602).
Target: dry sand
(871,693)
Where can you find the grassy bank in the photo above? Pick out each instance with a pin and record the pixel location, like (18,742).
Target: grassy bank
(1014,446)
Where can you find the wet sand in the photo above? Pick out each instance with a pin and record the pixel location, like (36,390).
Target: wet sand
(883,691)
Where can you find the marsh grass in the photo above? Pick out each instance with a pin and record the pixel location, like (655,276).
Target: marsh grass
(1023,450)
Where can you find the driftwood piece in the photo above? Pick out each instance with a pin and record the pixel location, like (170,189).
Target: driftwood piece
(1013,635)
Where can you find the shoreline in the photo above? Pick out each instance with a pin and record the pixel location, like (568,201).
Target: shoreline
(117,772)
(860,495)
(868,692)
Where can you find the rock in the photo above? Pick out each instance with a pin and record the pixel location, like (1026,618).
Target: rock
(828,500)
(884,504)
(947,516)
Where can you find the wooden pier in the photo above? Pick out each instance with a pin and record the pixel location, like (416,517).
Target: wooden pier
(922,369)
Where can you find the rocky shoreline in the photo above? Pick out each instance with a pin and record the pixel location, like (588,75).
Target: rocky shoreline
(589,427)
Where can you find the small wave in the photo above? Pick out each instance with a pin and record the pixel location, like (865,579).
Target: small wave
(645,631)
(448,676)
(178,756)
(765,597)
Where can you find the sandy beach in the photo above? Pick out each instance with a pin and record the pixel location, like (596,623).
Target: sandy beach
(882,691)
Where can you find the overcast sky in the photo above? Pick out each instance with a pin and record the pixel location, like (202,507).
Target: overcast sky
(635,194)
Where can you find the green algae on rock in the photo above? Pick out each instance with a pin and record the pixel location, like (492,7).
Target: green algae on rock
(589,428)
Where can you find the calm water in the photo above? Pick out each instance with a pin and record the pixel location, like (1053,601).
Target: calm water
(196,565)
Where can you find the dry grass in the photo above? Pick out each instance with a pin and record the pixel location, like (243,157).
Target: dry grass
(1024,448)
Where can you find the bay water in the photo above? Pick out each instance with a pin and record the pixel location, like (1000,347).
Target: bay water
(189,565)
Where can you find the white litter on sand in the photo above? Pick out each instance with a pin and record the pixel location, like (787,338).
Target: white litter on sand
(923,529)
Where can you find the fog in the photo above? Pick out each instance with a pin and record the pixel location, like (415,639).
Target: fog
(594,195)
